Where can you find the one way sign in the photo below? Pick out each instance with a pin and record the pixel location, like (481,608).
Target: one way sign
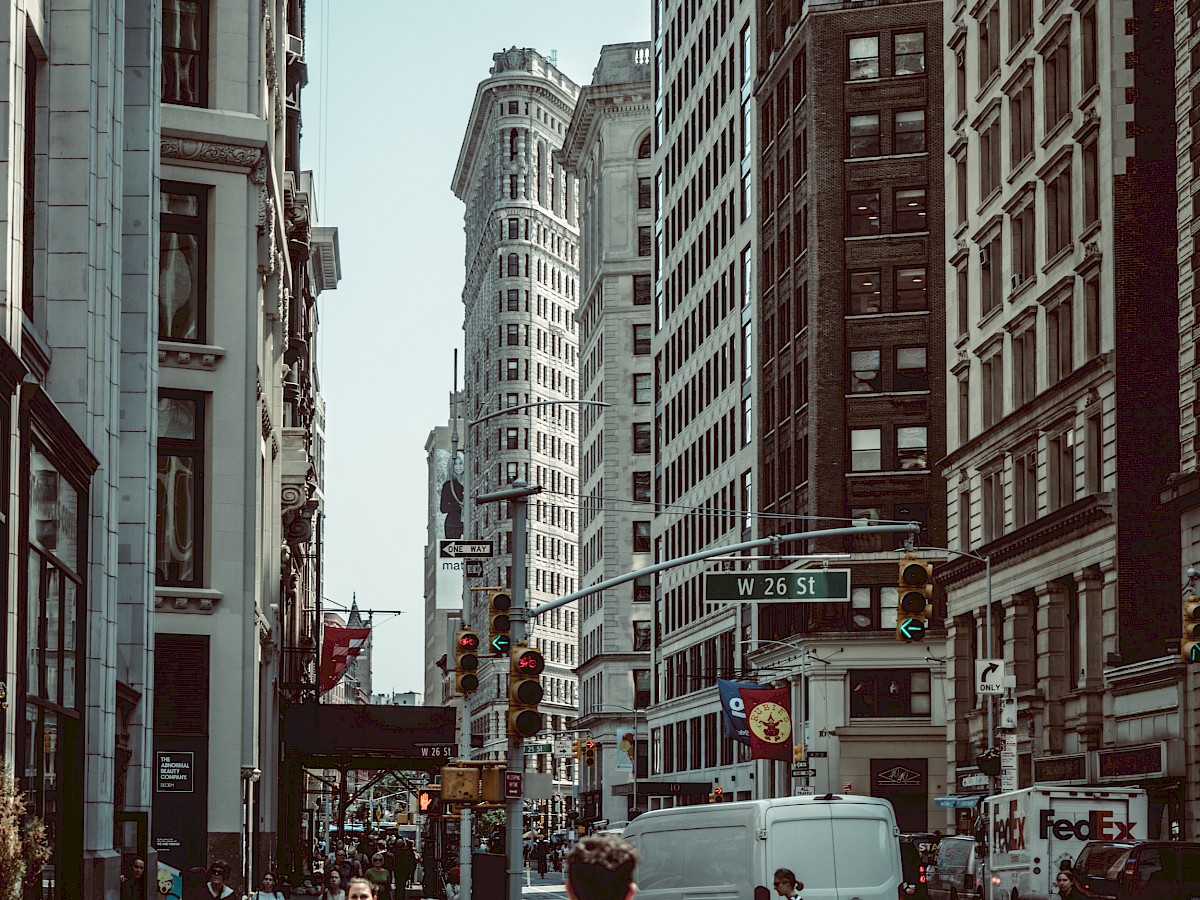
(461,549)
(989,676)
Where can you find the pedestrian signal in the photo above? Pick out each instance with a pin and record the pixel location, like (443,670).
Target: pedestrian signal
(915,597)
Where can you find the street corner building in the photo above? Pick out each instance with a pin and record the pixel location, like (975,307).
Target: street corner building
(160,464)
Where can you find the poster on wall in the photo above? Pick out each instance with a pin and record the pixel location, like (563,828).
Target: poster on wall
(448,494)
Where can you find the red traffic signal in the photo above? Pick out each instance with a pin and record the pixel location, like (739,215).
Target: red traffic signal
(468,641)
(530,662)
(525,691)
(466,661)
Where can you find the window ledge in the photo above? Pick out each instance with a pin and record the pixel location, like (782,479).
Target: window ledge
(858,317)
(1019,166)
(186,599)
(887,394)
(890,234)
(182,355)
(1056,129)
(887,473)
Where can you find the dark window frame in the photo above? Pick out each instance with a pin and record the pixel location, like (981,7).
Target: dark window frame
(194,449)
(195,226)
(199,54)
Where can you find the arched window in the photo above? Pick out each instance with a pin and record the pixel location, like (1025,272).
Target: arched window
(644,148)
(514,265)
(512,144)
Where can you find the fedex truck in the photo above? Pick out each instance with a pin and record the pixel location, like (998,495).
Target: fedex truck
(1032,832)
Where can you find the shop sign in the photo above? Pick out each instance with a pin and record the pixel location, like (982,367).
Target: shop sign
(1068,767)
(174,772)
(1133,762)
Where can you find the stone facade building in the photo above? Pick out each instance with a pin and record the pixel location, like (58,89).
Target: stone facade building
(1063,359)
(608,148)
(520,296)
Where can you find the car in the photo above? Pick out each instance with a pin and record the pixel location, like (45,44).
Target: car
(958,872)
(1140,870)
(926,843)
(913,868)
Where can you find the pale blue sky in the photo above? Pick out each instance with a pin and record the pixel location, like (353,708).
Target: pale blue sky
(391,83)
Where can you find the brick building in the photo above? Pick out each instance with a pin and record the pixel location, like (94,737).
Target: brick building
(852,366)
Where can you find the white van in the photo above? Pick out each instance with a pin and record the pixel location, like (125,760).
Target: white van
(840,847)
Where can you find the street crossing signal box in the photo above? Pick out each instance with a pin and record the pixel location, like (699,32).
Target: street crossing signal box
(589,752)
(915,598)
(1189,646)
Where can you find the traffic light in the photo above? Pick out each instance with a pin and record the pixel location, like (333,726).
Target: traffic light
(798,753)
(525,690)
(916,595)
(1189,647)
(429,800)
(498,606)
(460,784)
(466,661)
(715,796)
(589,752)
(577,749)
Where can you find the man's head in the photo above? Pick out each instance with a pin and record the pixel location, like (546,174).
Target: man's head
(600,867)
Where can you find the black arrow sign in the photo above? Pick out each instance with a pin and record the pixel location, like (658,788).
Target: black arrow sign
(988,670)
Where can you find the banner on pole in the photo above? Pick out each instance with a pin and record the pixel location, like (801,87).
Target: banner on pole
(769,718)
(339,647)
(734,709)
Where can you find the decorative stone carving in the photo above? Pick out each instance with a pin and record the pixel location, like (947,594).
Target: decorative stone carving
(292,497)
(208,360)
(213,152)
(206,604)
(258,176)
(181,602)
(184,356)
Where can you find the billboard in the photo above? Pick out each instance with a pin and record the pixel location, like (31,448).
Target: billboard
(448,509)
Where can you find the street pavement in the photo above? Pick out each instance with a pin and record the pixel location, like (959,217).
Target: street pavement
(547,887)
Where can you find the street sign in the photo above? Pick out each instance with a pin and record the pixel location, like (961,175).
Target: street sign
(512,785)
(974,780)
(912,628)
(463,549)
(562,748)
(806,586)
(818,754)
(531,749)
(989,676)
(803,772)
(474,568)
(804,790)
(500,643)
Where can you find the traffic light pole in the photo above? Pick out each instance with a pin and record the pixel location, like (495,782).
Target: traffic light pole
(517,496)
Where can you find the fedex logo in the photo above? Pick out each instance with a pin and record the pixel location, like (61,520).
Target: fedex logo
(1100,825)
(1008,834)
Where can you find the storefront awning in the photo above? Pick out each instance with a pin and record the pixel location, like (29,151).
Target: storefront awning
(958,801)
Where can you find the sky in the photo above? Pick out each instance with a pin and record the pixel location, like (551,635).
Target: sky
(391,83)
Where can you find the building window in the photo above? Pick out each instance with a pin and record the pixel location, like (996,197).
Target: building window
(511,471)
(863,213)
(644,148)
(1087,35)
(1025,463)
(182,263)
(863,53)
(1024,367)
(964,408)
(912,448)
(989,43)
(910,209)
(29,192)
(1056,69)
(512,335)
(1091,314)
(512,187)
(1020,110)
(1091,185)
(908,134)
(644,193)
(641,437)
(642,388)
(1020,21)
(514,229)
(993,505)
(960,81)
(1061,458)
(512,369)
(641,589)
(962,281)
(911,293)
(1024,244)
(866,451)
(865,296)
(641,537)
(908,53)
(865,375)
(912,373)
(185,52)
(641,487)
(511,439)
(990,272)
(514,265)
(180,515)
(1058,213)
(864,135)
(960,186)
(644,240)
(641,635)
(641,290)
(989,159)
(747,419)
(1059,342)
(992,372)
(890,693)
(1094,459)
(641,339)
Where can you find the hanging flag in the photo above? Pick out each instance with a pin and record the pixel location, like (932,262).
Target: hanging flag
(735,712)
(338,648)
(769,719)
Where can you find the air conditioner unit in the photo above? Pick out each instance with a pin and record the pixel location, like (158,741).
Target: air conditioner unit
(1017,278)
(985,256)
(295,48)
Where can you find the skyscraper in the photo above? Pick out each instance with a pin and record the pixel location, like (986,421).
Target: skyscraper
(521,291)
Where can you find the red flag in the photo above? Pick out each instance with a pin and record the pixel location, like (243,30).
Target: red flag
(338,648)
(769,717)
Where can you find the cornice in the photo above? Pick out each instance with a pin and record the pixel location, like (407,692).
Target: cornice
(239,156)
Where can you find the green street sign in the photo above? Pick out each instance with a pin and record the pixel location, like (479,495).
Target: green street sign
(805,586)
(532,749)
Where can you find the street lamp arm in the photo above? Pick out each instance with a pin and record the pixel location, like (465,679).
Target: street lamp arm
(508,409)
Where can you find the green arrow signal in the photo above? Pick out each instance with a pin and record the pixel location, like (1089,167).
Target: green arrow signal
(500,643)
(1195,653)
(912,629)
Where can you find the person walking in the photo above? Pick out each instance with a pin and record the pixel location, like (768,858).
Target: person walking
(133,880)
(380,877)
(269,889)
(359,888)
(540,856)
(786,885)
(1068,885)
(600,867)
(333,886)
(406,863)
